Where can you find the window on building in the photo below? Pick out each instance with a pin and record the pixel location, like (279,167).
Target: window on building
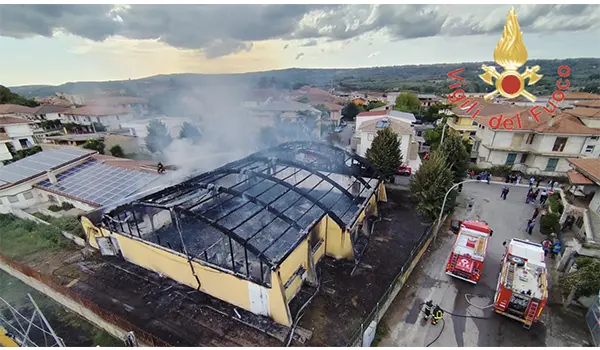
(552,163)
(28,195)
(530,138)
(24,143)
(559,144)
(579,222)
(474,123)
(2,130)
(455,120)
(523,158)
(594,138)
(12,199)
(472,133)
(589,148)
(510,159)
(382,124)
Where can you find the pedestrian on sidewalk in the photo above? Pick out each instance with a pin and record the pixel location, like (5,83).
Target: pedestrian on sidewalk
(507,178)
(556,248)
(531,181)
(547,244)
(519,179)
(537,184)
(504,192)
(536,212)
(543,196)
(530,225)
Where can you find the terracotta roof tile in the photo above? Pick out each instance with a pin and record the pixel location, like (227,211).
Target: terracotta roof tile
(372,113)
(584,112)
(98,111)
(565,123)
(13,120)
(589,167)
(588,103)
(329,106)
(397,126)
(11,108)
(576,95)
(577,178)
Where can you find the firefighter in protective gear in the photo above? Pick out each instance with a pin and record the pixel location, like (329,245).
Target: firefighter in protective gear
(428,309)
(437,314)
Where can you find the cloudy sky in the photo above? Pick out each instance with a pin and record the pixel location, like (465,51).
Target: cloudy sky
(54,44)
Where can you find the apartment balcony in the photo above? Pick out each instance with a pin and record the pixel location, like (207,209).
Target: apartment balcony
(459,126)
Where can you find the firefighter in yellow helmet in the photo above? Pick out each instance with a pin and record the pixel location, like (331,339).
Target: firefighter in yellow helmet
(438,315)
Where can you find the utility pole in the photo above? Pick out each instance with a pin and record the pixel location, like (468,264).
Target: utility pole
(439,221)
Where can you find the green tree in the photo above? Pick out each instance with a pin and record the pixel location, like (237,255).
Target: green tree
(117,151)
(267,137)
(350,111)
(407,102)
(456,154)
(434,112)
(190,132)
(304,99)
(433,137)
(430,184)
(374,104)
(8,97)
(158,137)
(385,153)
(95,145)
(585,280)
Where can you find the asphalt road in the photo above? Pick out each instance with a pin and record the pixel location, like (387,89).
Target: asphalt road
(429,282)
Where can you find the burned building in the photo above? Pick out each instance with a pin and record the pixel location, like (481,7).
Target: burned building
(252,231)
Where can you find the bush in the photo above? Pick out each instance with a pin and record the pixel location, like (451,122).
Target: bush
(549,223)
(117,151)
(501,170)
(22,238)
(54,208)
(555,204)
(585,280)
(67,206)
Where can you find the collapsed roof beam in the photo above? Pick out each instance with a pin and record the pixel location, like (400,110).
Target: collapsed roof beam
(287,185)
(252,199)
(363,161)
(234,236)
(306,168)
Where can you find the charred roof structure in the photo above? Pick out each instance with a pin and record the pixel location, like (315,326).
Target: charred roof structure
(265,220)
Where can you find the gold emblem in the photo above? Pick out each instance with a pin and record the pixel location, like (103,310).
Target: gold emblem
(511,54)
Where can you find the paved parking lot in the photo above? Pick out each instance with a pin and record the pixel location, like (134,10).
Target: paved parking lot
(508,220)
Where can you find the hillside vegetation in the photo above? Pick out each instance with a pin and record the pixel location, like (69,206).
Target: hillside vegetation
(424,78)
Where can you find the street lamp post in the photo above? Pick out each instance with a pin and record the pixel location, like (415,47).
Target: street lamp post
(444,204)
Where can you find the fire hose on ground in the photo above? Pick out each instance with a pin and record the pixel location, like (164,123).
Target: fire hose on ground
(455,315)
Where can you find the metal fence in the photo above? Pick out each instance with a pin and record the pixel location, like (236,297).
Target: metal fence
(379,310)
(593,320)
(109,317)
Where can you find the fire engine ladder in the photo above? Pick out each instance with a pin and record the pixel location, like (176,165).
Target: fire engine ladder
(510,275)
(454,260)
(533,307)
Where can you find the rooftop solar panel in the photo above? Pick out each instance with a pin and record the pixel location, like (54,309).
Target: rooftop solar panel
(99,183)
(39,163)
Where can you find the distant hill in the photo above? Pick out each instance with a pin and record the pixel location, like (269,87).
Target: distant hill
(424,78)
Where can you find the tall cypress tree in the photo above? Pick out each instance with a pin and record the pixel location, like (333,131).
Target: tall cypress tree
(385,153)
(456,154)
(430,184)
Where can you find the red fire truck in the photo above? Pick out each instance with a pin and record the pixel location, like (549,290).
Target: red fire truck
(468,253)
(522,289)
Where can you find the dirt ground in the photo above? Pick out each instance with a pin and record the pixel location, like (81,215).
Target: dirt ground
(348,299)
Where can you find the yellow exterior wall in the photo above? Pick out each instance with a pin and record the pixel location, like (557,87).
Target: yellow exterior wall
(338,243)
(299,257)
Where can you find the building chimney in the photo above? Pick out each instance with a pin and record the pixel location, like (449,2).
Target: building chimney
(52,177)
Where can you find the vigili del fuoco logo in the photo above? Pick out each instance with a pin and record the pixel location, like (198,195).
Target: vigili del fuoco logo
(510,54)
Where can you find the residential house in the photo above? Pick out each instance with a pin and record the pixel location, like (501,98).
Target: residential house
(536,148)
(367,130)
(74,139)
(334,116)
(575,97)
(463,122)
(581,202)
(110,117)
(420,130)
(38,116)
(17,132)
(77,176)
(360,101)
(587,110)
(371,115)
(137,105)
(139,128)
(428,99)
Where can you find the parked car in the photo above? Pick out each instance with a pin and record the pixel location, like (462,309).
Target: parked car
(343,123)
(338,129)
(405,170)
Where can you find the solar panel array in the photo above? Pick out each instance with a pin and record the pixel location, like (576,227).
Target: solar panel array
(99,183)
(39,163)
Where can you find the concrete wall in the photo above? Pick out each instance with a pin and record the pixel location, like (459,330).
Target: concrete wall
(4,153)
(18,130)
